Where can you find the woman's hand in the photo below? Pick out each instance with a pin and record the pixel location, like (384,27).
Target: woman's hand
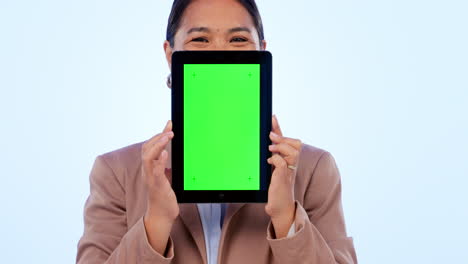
(162,208)
(281,201)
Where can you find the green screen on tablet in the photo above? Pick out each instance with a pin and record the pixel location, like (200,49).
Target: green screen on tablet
(221,126)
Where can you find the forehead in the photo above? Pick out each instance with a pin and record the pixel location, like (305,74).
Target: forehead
(218,15)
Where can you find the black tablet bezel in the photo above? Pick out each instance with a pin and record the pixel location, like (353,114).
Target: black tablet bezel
(179,58)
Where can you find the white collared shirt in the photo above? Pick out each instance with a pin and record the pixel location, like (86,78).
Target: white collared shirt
(212,216)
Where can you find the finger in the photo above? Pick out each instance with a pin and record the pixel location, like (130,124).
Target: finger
(151,154)
(169,150)
(166,131)
(275,126)
(279,163)
(289,153)
(277,139)
(168,126)
(149,143)
(159,168)
(155,150)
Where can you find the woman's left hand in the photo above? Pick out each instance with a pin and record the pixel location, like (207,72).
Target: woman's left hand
(281,200)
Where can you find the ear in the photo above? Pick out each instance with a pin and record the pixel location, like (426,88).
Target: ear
(263,45)
(168,51)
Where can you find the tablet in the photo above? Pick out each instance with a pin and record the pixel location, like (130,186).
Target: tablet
(221,117)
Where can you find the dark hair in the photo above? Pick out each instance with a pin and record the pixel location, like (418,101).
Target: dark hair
(179,6)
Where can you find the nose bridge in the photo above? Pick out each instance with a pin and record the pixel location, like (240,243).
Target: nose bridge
(219,43)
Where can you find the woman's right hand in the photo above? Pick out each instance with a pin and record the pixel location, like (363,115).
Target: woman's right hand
(162,208)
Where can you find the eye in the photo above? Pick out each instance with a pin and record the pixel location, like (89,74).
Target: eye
(200,39)
(238,39)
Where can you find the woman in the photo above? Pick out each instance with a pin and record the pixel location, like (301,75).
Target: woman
(132,215)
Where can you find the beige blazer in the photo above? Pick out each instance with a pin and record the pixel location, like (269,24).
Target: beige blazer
(114,231)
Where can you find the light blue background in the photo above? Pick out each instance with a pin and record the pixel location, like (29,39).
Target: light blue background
(382,85)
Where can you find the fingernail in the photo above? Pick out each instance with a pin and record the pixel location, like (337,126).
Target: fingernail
(164,138)
(271,147)
(274,134)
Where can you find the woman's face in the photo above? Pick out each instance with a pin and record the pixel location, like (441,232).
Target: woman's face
(215,25)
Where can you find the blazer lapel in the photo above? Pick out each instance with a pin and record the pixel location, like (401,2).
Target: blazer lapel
(188,212)
(231,210)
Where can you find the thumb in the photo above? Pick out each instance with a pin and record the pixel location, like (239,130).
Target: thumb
(159,167)
(168,126)
(275,126)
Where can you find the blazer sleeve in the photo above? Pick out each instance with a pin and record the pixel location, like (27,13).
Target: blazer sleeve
(320,235)
(106,237)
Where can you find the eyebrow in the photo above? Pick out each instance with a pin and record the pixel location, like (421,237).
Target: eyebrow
(198,29)
(237,29)
(205,29)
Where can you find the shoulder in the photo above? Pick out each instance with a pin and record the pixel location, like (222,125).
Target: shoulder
(316,170)
(310,157)
(123,162)
(124,156)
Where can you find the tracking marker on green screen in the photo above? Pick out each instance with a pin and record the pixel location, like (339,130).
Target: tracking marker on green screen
(221,126)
